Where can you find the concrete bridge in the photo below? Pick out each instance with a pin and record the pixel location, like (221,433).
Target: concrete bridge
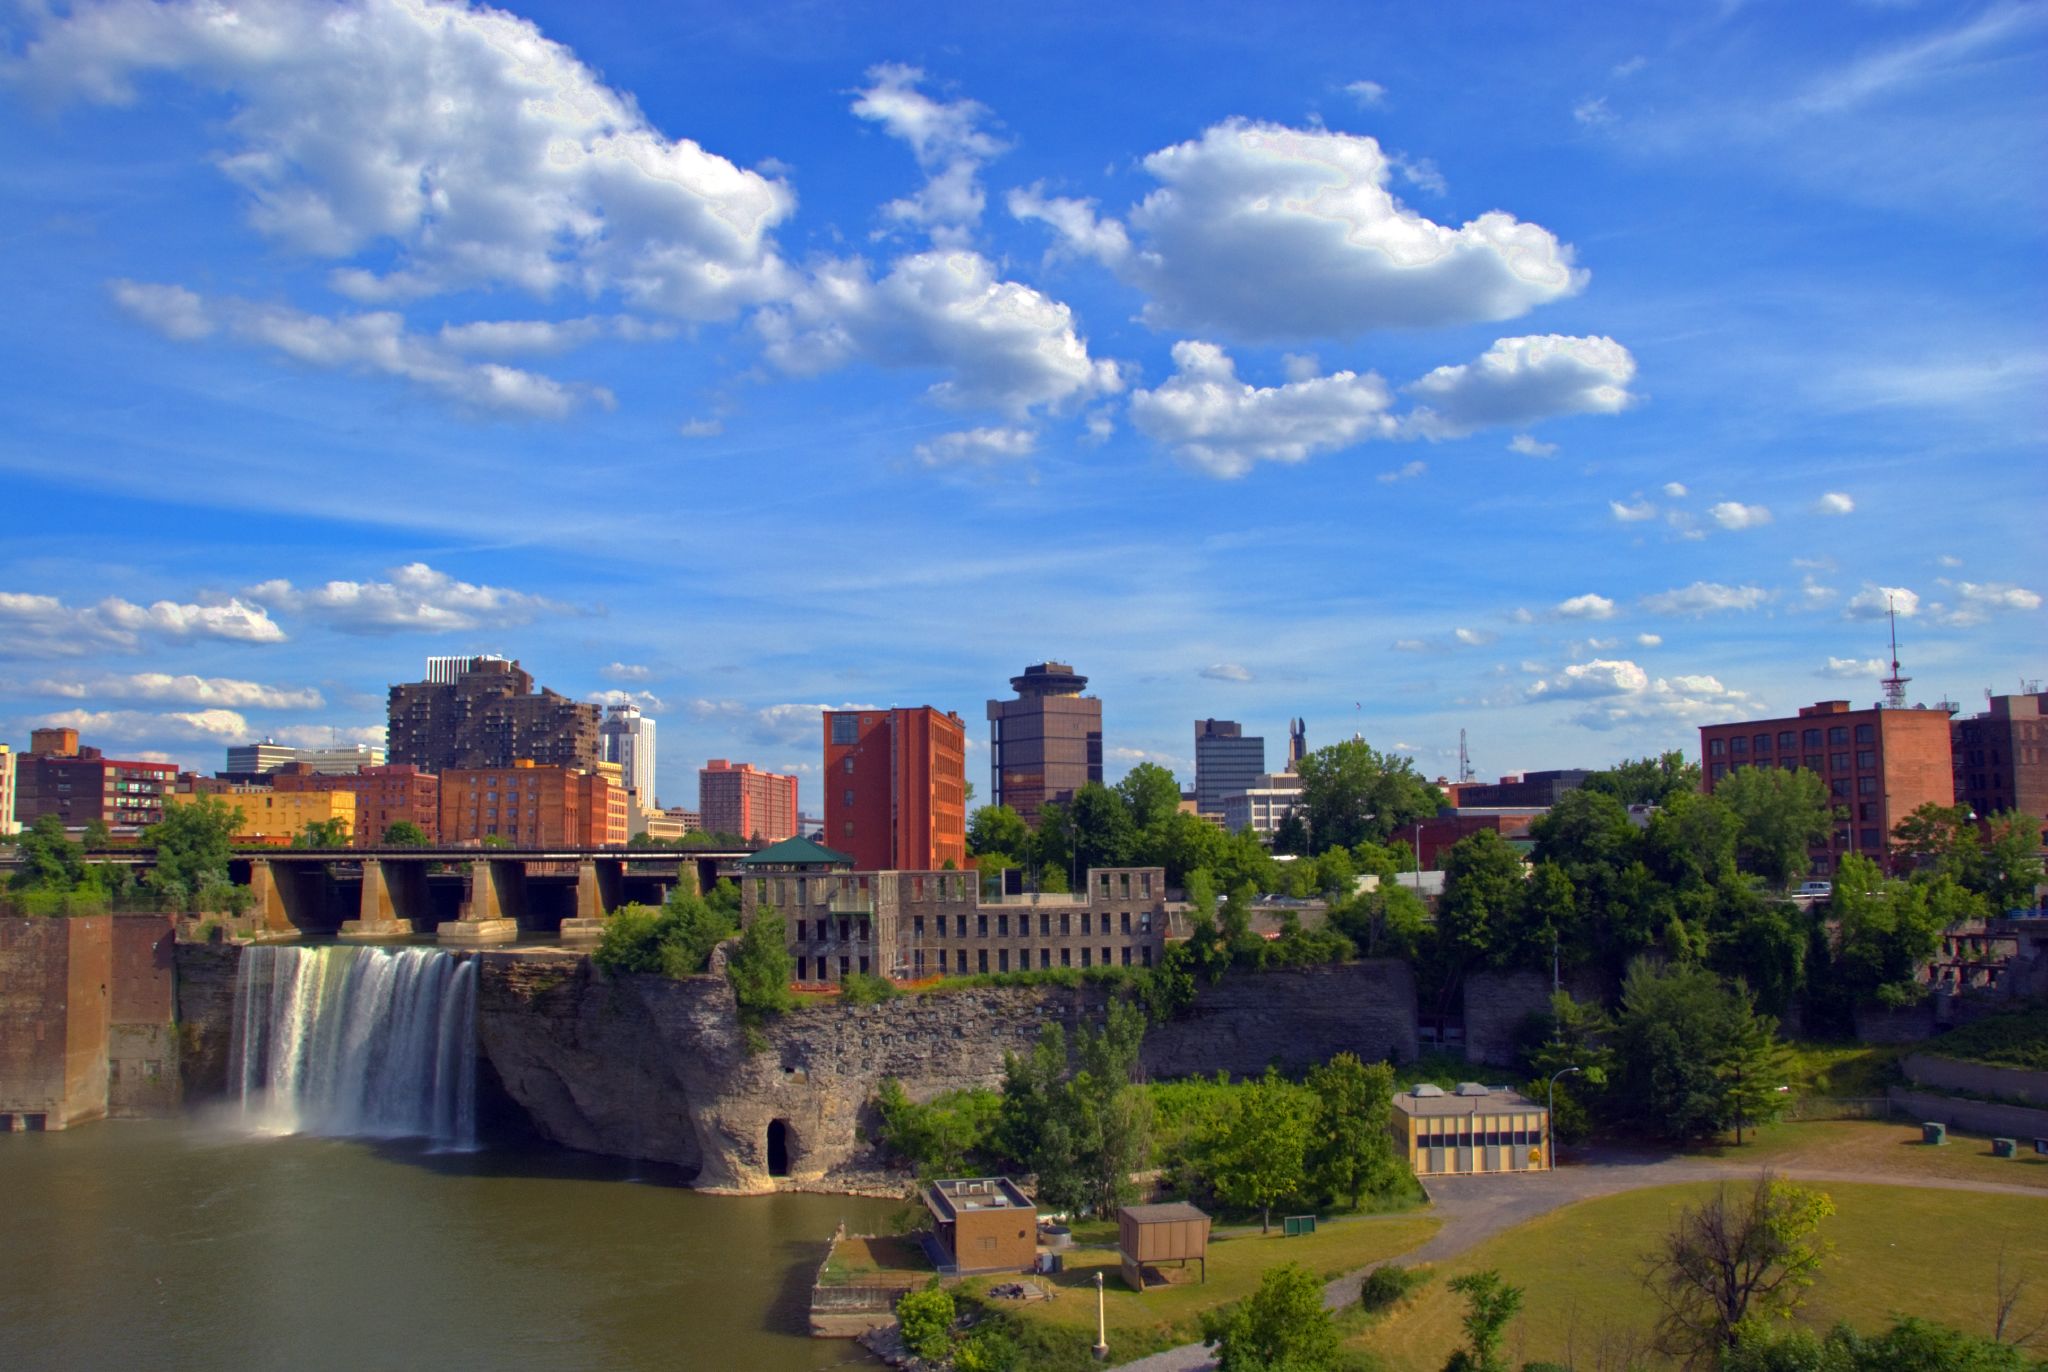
(468,897)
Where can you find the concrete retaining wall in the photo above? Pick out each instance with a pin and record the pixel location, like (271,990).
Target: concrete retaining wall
(1952,1074)
(1977,1116)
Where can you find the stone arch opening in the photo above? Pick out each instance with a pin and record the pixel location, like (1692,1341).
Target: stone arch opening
(778,1148)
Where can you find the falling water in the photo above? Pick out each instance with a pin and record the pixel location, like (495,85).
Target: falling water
(356,1042)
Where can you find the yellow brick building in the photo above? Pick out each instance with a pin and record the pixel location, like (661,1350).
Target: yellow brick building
(1473,1130)
(276,817)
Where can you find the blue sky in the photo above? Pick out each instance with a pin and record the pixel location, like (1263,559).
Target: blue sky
(1572,375)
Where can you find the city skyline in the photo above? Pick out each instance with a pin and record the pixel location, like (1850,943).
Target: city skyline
(1735,328)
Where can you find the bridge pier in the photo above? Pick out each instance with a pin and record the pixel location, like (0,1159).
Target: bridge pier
(377,916)
(275,895)
(597,895)
(483,921)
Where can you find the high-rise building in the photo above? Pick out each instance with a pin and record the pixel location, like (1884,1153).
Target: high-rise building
(1880,765)
(8,823)
(2001,757)
(443,671)
(532,807)
(255,759)
(1226,762)
(79,785)
(741,799)
(490,716)
(896,788)
(383,796)
(627,738)
(1047,743)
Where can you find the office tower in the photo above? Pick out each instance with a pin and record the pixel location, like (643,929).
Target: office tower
(896,788)
(1226,762)
(490,716)
(627,737)
(1047,743)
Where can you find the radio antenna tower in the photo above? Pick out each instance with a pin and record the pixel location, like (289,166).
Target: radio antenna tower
(1465,772)
(1894,685)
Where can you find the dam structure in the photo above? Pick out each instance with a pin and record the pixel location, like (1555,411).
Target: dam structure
(356,1042)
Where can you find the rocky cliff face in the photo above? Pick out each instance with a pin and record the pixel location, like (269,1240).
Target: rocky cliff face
(206,1018)
(643,1066)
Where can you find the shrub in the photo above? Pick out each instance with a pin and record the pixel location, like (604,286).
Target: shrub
(865,988)
(926,1318)
(1386,1284)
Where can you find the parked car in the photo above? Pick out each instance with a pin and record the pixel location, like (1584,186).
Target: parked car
(1815,888)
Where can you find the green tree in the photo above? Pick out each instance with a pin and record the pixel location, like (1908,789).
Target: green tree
(322,833)
(1354,793)
(1478,917)
(1738,1253)
(759,968)
(1255,1153)
(1281,1327)
(1647,780)
(1940,838)
(724,897)
(1679,1028)
(1149,793)
(997,829)
(1887,929)
(1779,815)
(1181,843)
(926,1318)
(1351,1149)
(403,833)
(2009,869)
(947,1137)
(1390,922)
(1570,1033)
(1489,1304)
(193,843)
(1292,836)
(49,860)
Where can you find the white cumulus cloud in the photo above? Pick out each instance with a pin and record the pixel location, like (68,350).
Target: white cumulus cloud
(946,138)
(1874,602)
(1978,601)
(1224,425)
(1834,503)
(984,448)
(1521,380)
(1706,597)
(1733,514)
(416,597)
(1588,606)
(214,725)
(1367,93)
(185,690)
(1262,233)
(1618,693)
(44,626)
(1854,668)
(1634,513)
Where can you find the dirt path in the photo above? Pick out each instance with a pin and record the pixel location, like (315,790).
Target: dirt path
(1474,1209)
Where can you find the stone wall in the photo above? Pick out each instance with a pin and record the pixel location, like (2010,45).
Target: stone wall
(1953,1074)
(1977,1116)
(644,1066)
(1498,1003)
(206,1018)
(54,978)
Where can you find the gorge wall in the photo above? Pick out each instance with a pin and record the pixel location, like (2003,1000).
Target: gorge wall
(648,1067)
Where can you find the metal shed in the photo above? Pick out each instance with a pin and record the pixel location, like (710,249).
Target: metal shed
(1155,1234)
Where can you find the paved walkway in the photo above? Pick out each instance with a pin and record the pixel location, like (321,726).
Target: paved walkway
(1474,1209)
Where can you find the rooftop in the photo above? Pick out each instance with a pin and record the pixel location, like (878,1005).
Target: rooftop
(1468,1099)
(797,852)
(1169,1213)
(949,1199)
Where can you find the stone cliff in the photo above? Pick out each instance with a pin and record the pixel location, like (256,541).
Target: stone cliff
(648,1067)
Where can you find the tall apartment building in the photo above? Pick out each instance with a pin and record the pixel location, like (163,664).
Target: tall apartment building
(444,671)
(256,759)
(490,716)
(1226,761)
(1879,765)
(1047,743)
(741,799)
(896,787)
(383,797)
(532,807)
(79,785)
(2001,757)
(627,738)
(8,823)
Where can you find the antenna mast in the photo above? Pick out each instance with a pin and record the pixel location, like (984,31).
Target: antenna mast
(1894,685)
(1464,759)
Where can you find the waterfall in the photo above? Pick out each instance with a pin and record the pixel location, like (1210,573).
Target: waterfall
(356,1042)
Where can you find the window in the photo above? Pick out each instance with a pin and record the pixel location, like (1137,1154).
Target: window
(1787,741)
(846,729)
(1002,959)
(1738,746)
(1147,950)
(802,969)
(1126,921)
(1866,733)
(981,925)
(1720,770)
(1105,957)
(1762,743)
(1866,838)
(1044,957)
(845,966)
(959,925)
(1085,918)
(846,799)
(1866,786)
(1045,926)
(917,961)
(1790,764)
(1064,929)
(1127,955)
(848,764)
(1084,958)
(981,956)
(799,931)
(1813,761)
(1717,747)
(1066,957)
(1866,761)
(1811,738)
(1002,926)
(960,962)
(1838,762)
(1839,788)
(1838,734)
(917,926)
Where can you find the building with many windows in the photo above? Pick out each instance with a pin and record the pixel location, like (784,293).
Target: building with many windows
(257,759)
(383,797)
(2001,758)
(490,715)
(1226,762)
(270,816)
(1264,805)
(627,738)
(1880,765)
(739,798)
(896,788)
(1474,1129)
(1047,743)
(8,823)
(839,920)
(526,806)
(79,784)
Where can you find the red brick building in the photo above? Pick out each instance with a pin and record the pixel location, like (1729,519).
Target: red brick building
(79,785)
(384,796)
(1435,837)
(531,807)
(896,788)
(741,799)
(2001,757)
(1879,766)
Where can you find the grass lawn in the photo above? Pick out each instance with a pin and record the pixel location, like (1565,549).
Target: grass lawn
(858,1261)
(1165,1316)
(1897,1249)
(1843,1069)
(1886,1148)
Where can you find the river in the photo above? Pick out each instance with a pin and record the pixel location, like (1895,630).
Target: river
(186,1245)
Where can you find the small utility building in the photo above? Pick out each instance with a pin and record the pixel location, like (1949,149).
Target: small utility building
(982,1224)
(1471,1130)
(1153,1234)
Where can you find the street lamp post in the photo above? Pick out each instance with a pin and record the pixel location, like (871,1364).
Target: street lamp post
(1418,857)
(1101,1327)
(1550,1110)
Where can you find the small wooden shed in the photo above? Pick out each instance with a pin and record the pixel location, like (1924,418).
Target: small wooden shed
(1154,1234)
